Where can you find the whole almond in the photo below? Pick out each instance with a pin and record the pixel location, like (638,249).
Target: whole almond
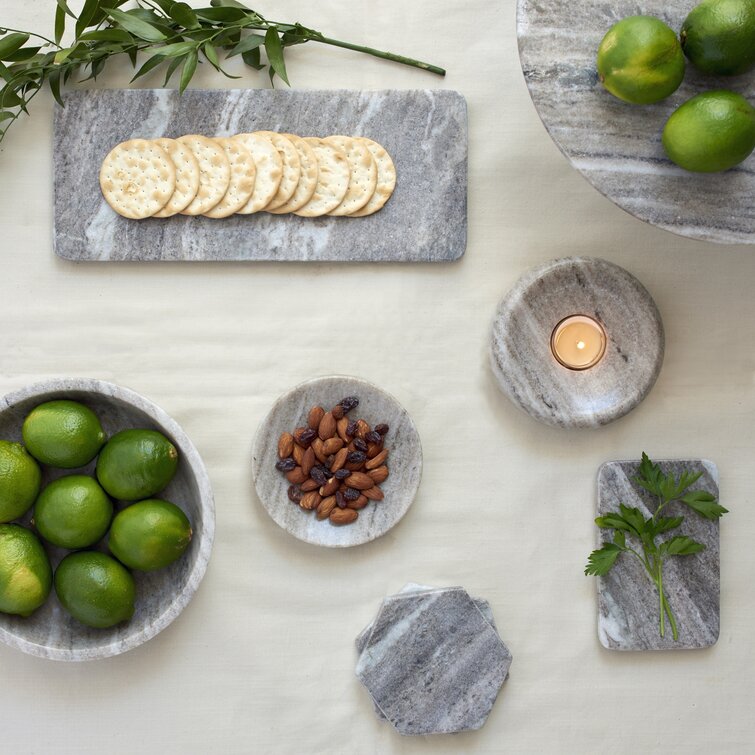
(296,476)
(332,445)
(308,461)
(298,454)
(310,500)
(330,487)
(360,481)
(337,411)
(326,506)
(315,417)
(360,503)
(379,475)
(319,448)
(373,449)
(327,428)
(377,461)
(362,428)
(343,516)
(374,494)
(354,466)
(285,445)
(341,426)
(309,485)
(339,460)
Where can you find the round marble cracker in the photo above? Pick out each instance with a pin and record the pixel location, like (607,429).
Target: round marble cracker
(214,173)
(187,176)
(307,178)
(137,178)
(269,171)
(291,165)
(334,173)
(243,176)
(362,178)
(386,179)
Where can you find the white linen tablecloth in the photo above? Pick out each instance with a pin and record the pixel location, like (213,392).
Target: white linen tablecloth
(262,661)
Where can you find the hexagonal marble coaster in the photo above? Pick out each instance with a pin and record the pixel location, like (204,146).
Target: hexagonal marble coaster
(450,641)
(628,612)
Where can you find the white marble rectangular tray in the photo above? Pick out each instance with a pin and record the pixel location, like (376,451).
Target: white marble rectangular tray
(424,130)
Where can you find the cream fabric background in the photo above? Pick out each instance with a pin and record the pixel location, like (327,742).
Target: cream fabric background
(262,660)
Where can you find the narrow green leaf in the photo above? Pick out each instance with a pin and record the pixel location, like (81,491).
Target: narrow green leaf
(601,561)
(681,546)
(132,56)
(704,504)
(182,14)
(173,65)
(221,13)
(62,55)
(5,72)
(252,58)
(274,51)
(136,26)
(60,22)
(24,54)
(9,98)
(10,43)
(211,55)
(228,4)
(63,5)
(175,50)
(4,115)
(107,35)
(54,79)
(148,66)
(190,65)
(251,42)
(165,5)
(87,14)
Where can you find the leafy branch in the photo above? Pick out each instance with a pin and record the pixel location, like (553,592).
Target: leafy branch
(175,35)
(646,531)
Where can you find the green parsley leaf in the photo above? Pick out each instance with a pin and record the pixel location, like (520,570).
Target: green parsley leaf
(681,545)
(704,504)
(601,561)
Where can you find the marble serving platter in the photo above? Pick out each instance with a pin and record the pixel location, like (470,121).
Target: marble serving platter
(404,461)
(425,132)
(628,611)
(50,632)
(617,146)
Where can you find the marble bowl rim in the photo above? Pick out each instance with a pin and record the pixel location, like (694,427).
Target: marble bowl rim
(206,503)
(364,384)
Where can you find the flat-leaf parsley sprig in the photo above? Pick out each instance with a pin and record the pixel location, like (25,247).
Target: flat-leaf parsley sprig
(640,536)
(172,33)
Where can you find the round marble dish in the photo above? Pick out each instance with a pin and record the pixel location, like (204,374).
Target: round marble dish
(161,595)
(617,146)
(404,461)
(531,376)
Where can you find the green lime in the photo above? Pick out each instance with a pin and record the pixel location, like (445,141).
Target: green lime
(63,434)
(20,478)
(150,534)
(640,60)
(95,589)
(711,132)
(25,571)
(136,464)
(73,512)
(719,36)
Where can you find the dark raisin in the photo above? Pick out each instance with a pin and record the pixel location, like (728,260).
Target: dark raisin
(382,429)
(285,465)
(337,411)
(342,474)
(294,494)
(319,475)
(373,437)
(351,429)
(356,457)
(340,500)
(351,494)
(349,403)
(360,445)
(307,437)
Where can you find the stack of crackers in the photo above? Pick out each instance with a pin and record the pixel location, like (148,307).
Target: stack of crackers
(247,173)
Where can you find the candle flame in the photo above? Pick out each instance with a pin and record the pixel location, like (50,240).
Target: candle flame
(581,344)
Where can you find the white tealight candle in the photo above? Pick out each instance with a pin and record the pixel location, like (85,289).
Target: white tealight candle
(578,342)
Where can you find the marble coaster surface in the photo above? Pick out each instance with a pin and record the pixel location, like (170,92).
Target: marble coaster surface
(51,632)
(404,461)
(628,611)
(617,146)
(425,131)
(527,371)
(433,663)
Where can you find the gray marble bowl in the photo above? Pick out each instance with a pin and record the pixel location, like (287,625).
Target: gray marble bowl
(161,595)
(404,461)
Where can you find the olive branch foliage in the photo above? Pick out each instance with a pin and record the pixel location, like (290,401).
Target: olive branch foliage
(173,34)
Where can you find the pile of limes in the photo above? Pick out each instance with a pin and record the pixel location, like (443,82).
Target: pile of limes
(75,512)
(641,60)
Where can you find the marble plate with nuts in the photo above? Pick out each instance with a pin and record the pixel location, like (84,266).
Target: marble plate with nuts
(376,406)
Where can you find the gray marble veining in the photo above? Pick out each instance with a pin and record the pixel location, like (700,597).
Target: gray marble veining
(433,663)
(628,611)
(425,132)
(160,595)
(404,461)
(617,146)
(523,363)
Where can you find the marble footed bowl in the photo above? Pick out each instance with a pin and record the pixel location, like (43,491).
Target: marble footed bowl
(50,632)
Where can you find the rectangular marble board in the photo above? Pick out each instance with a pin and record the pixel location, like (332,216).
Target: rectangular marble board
(628,610)
(425,131)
